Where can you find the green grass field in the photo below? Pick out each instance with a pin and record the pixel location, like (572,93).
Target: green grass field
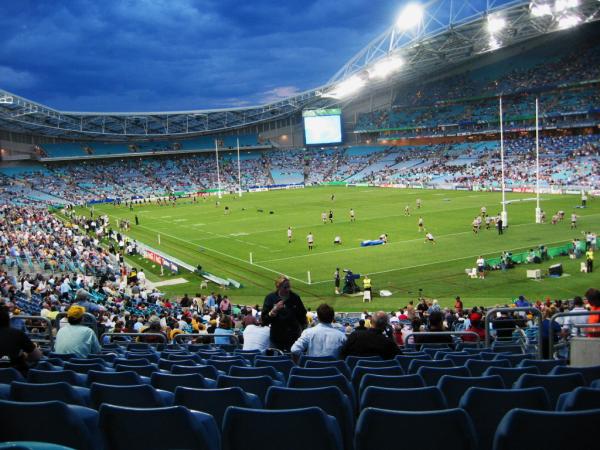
(203,234)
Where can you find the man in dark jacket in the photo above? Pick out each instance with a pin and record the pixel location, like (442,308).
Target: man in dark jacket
(372,341)
(285,312)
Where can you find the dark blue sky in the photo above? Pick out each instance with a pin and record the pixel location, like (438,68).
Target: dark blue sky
(143,55)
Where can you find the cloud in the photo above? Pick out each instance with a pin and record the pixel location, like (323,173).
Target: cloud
(12,79)
(278,93)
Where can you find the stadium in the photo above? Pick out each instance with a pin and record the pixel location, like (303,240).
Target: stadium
(206,270)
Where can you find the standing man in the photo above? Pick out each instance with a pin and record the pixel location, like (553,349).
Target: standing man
(137,220)
(289,235)
(589,260)
(323,339)
(336,280)
(418,203)
(324,217)
(352,215)
(285,312)
(406,211)
(500,224)
(367,284)
(310,239)
(583,199)
(421,225)
(573,221)
(331,216)
(481,267)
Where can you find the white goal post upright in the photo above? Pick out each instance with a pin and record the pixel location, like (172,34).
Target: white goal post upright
(538,209)
(218,171)
(504,214)
(239,169)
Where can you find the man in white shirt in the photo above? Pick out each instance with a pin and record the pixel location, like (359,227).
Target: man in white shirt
(257,337)
(569,321)
(323,339)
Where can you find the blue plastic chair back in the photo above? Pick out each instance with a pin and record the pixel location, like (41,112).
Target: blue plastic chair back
(455,387)
(416,399)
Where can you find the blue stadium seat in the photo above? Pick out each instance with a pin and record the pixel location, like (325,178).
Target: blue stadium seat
(47,422)
(54,376)
(118,378)
(44,392)
(339,364)
(415,364)
(377,363)
(29,445)
(453,429)
(131,362)
(255,385)
(240,425)
(390,381)
(405,360)
(554,384)
(544,365)
(478,366)
(509,348)
(454,387)
(579,399)
(215,401)
(169,382)
(300,382)
(487,407)
(135,356)
(283,365)
(134,396)
(360,371)
(144,371)
(315,371)
(224,365)
(304,358)
(416,399)
(158,428)
(186,357)
(85,368)
(590,373)
(515,359)
(576,429)
(206,371)
(460,360)
(353,360)
(239,371)
(431,375)
(10,374)
(330,399)
(166,364)
(510,374)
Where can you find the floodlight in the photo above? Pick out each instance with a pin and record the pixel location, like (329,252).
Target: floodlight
(563,5)
(568,22)
(495,24)
(541,10)
(385,67)
(349,86)
(493,43)
(411,16)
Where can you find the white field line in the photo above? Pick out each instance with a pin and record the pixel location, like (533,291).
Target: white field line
(278,272)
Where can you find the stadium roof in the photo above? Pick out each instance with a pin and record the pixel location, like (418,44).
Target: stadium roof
(449,32)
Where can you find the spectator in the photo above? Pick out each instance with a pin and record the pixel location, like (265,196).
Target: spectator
(16,345)
(285,312)
(593,298)
(322,339)
(76,338)
(257,337)
(371,342)
(436,325)
(224,329)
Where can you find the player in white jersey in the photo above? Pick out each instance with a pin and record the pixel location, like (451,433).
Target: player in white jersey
(421,224)
(429,238)
(310,240)
(289,235)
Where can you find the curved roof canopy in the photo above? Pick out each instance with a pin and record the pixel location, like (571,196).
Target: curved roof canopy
(426,36)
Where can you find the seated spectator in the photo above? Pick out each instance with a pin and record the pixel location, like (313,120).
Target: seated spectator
(76,338)
(593,298)
(477,325)
(322,339)
(225,329)
(16,345)
(257,337)
(436,324)
(372,341)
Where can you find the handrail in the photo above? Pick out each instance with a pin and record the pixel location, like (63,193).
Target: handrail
(531,309)
(567,314)
(182,337)
(48,330)
(439,333)
(159,335)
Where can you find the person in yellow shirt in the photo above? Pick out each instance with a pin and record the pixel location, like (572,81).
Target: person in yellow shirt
(589,259)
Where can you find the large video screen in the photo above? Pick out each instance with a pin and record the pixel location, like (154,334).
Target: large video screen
(322,126)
